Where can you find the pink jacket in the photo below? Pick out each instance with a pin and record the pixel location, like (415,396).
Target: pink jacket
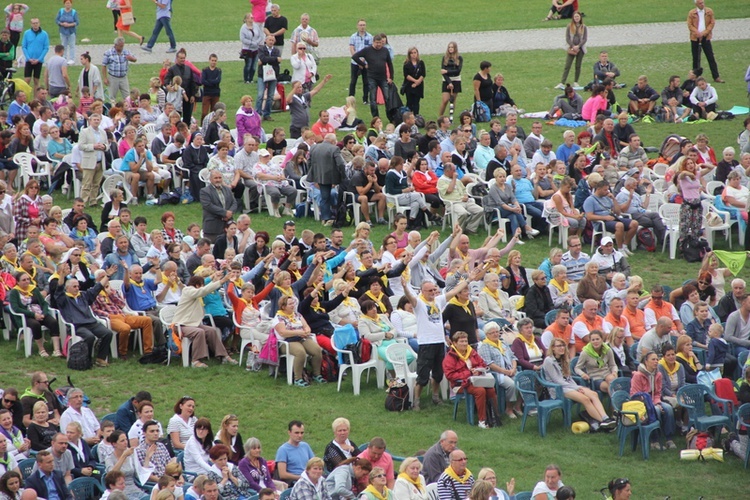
(248,122)
(640,383)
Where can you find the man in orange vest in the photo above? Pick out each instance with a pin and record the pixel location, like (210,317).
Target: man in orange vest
(636,318)
(616,318)
(560,329)
(587,321)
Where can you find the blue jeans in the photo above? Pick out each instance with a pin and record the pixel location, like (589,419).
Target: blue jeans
(249,71)
(666,416)
(516,220)
(166,23)
(270,86)
(69,42)
(325,201)
(372,85)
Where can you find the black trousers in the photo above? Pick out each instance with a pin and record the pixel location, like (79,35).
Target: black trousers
(705,45)
(92,331)
(355,72)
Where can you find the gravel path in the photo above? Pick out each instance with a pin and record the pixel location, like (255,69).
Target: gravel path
(484,41)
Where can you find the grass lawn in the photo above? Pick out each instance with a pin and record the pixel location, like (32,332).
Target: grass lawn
(391,16)
(265,406)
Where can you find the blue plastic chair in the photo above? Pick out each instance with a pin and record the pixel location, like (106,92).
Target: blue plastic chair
(524,495)
(694,398)
(743,417)
(640,432)
(85,488)
(619,384)
(549,318)
(464,396)
(634,353)
(109,416)
(742,358)
(576,311)
(285,494)
(701,354)
(26,466)
(526,384)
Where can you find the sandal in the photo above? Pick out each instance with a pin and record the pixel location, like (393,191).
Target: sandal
(57,354)
(198,364)
(43,353)
(300,382)
(319,379)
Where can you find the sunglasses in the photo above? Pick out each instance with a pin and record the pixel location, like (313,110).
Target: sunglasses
(9,401)
(378,476)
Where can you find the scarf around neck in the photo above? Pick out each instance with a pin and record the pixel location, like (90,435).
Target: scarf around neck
(599,358)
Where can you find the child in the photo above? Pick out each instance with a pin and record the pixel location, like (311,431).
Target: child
(391,136)
(62,101)
(176,94)
(104,449)
(85,102)
(558,171)
(165,483)
(133,100)
(717,348)
(350,109)
(14,21)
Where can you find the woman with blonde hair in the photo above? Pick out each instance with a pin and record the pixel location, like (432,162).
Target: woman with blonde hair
(488,475)
(410,483)
(482,490)
(450,69)
(229,435)
(291,327)
(341,447)
(377,488)
(414,73)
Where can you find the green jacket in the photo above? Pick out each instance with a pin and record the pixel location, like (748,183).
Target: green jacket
(19,307)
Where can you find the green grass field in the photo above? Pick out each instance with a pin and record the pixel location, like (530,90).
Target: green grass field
(265,406)
(192,23)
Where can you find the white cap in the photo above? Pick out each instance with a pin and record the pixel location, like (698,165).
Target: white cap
(606,241)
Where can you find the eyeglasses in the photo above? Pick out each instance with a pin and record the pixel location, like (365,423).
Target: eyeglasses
(9,401)
(301,48)
(378,476)
(2,191)
(574,246)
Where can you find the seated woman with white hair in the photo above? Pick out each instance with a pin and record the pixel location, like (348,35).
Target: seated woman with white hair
(349,311)
(493,300)
(503,365)
(619,289)
(559,288)
(410,483)
(405,322)
(341,447)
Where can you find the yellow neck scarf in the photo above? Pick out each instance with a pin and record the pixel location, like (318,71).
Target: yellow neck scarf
(350,302)
(286,291)
(463,357)
(431,307)
(290,317)
(165,280)
(495,295)
(461,479)
(371,489)
(689,361)
(26,293)
(418,484)
(6,259)
(318,308)
(73,296)
(463,305)
(672,371)
(497,345)
(563,288)
(104,296)
(135,283)
(378,301)
(531,345)
(296,275)
(239,283)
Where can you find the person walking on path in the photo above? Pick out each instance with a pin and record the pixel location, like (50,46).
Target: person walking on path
(575,37)
(67,20)
(376,60)
(700,23)
(126,21)
(115,65)
(163,20)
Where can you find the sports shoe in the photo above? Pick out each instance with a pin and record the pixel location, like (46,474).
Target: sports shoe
(171,50)
(655,445)
(415,406)
(519,242)
(608,423)
(560,86)
(146,49)
(533,232)
(382,221)
(483,425)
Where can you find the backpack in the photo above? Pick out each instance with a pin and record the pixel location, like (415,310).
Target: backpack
(397,398)
(174,342)
(329,369)
(479,190)
(633,407)
(645,397)
(481,112)
(157,356)
(361,351)
(646,240)
(419,121)
(170,197)
(699,440)
(694,249)
(79,357)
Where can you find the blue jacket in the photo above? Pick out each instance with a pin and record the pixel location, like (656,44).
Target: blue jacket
(125,416)
(35,44)
(582,192)
(36,483)
(77,311)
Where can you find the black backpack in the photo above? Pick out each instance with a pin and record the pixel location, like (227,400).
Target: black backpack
(398,397)
(329,368)
(694,249)
(79,357)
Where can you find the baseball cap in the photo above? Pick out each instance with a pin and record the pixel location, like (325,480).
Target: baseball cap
(263,152)
(607,241)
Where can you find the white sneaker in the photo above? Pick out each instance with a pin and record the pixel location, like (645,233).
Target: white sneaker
(625,251)
(483,425)
(71,62)
(519,242)
(575,85)
(533,232)
(560,86)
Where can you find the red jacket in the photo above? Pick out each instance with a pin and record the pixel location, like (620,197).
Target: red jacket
(455,368)
(640,383)
(425,182)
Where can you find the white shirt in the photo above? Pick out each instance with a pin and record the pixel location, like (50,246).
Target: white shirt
(701,20)
(430,327)
(177,424)
(85,417)
(136,431)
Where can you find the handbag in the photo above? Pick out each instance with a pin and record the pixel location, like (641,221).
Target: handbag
(486,380)
(707,378)
(573,51)
(127,18)
(269,74)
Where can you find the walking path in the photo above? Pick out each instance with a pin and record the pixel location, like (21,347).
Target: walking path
(483,41)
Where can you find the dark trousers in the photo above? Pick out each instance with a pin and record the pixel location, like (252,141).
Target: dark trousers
(92,331)
(166,23)
(373,85)
(355,72)
(187,112)
(196,184)
(36,326)
(412,102)
(705,45)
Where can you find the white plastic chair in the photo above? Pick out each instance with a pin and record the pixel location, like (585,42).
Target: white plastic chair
(670,215)
(204,175)
(114,181)
(600,229)
(660,185)
(289,358)
(179,171)
(356,207)
(709,231)
(24,162)
(245,341)
(450,213)
(396,355)
(555,220)
(166,315)
(660,170)
(23,332)
(501,222)
(357,369)
(711,187)
(513,301)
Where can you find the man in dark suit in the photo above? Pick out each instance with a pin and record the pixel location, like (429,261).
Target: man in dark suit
(46,481)
(326,168)
(219,206)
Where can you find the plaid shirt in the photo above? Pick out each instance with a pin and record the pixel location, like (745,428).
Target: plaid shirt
(360,42)
(159,459)
(116,62)
(109,305)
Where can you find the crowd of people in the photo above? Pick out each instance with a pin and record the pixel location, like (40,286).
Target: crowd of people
(134,456)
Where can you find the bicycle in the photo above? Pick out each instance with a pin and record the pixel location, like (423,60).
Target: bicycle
(7,88)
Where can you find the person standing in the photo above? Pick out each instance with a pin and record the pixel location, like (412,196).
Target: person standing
(414,73)
(14,13)
(269,58)
(326,168)
(219,206)
(115,69)
(35,47)
(56,77)
(179,68)
(92,143)
(377,61)
(700,23)
(251,38)
(163,20)
(7,53)
(126,20)
(67,20)
(276,25)
(307,35)
(357,42)
(575,37)
(299,103)
(211,80)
